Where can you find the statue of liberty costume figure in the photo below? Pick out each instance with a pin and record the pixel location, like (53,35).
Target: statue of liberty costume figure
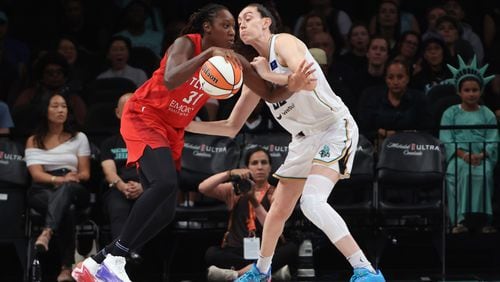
(471,154)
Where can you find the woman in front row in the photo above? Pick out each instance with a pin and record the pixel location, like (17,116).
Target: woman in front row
(58,159)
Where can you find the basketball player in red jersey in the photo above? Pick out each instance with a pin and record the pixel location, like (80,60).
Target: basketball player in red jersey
(153,124)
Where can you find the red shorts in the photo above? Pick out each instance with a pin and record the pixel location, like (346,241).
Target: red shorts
(141,126)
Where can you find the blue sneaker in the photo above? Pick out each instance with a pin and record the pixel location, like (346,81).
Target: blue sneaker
(254,275)
(365,275)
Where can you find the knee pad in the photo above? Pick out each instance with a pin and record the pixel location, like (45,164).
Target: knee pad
(313,204)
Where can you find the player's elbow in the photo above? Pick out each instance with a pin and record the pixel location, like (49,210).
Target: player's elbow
(272,99)
(232,129)
(232,133)
(203,188)
(169,82)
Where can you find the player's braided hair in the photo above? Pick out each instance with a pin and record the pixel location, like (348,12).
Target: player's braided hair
(205,14)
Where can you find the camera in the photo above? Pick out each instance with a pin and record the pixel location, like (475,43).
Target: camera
(240,185)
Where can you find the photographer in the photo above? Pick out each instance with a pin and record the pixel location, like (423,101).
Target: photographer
(248,195)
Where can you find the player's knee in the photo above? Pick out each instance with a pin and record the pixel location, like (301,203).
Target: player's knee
(307,202)
(311,206)
(280,212)
(167,184)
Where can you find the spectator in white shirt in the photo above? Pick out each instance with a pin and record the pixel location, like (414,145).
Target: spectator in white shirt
(118,55)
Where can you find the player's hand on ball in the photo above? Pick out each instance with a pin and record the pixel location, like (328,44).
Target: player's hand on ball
(228,54)
(302,78)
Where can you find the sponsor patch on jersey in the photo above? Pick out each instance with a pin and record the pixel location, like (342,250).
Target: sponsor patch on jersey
(273,64)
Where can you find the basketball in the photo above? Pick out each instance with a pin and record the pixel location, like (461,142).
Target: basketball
(219,78)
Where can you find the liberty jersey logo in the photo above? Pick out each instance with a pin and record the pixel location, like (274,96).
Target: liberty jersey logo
(325,152)
(273,64)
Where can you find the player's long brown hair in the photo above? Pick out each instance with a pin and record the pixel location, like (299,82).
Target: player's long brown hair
(266,12)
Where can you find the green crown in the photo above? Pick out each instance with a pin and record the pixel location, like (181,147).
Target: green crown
(469,71)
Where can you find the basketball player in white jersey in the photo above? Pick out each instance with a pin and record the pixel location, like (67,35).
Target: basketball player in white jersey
(324,140)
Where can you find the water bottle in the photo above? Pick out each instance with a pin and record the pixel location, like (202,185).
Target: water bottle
(306,262)
(36,271)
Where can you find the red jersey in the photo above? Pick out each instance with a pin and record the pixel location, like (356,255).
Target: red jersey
(156,116)
(178,106)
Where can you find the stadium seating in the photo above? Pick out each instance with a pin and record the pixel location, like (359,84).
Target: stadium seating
(410,187)
(107,90)
(14,182)
(353,197)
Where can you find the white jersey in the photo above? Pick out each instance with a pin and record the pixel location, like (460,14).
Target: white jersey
(306,112)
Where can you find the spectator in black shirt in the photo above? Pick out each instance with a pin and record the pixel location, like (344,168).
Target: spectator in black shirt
(123,185)
(393,107)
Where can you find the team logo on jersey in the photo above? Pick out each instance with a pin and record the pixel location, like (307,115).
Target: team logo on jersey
(325,152)
(273,64)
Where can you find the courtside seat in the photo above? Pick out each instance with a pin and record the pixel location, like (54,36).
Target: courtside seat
(276,143)
(204,223)
(410,173)
(145,59)
(107,90)
(14,181)
(101,122)
(202,157)
(439,98)
(353,197)
(87,231)
(410,183)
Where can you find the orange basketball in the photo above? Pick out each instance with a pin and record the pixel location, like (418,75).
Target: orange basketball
(219,78)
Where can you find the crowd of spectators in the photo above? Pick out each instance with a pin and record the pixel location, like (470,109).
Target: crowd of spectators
(76,42)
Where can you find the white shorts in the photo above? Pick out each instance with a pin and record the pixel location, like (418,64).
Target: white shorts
(333,148)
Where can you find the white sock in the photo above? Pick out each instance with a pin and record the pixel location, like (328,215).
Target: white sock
(264,263)
(358,260)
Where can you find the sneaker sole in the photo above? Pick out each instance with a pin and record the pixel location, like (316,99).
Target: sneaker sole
(82,274)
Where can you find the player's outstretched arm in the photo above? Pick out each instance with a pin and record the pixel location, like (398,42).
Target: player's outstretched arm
(296,81)
(231,126)
(261,66)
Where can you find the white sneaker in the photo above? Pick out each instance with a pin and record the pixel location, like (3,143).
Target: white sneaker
(282,274)
(221,274)
(85,271)
(113,269)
